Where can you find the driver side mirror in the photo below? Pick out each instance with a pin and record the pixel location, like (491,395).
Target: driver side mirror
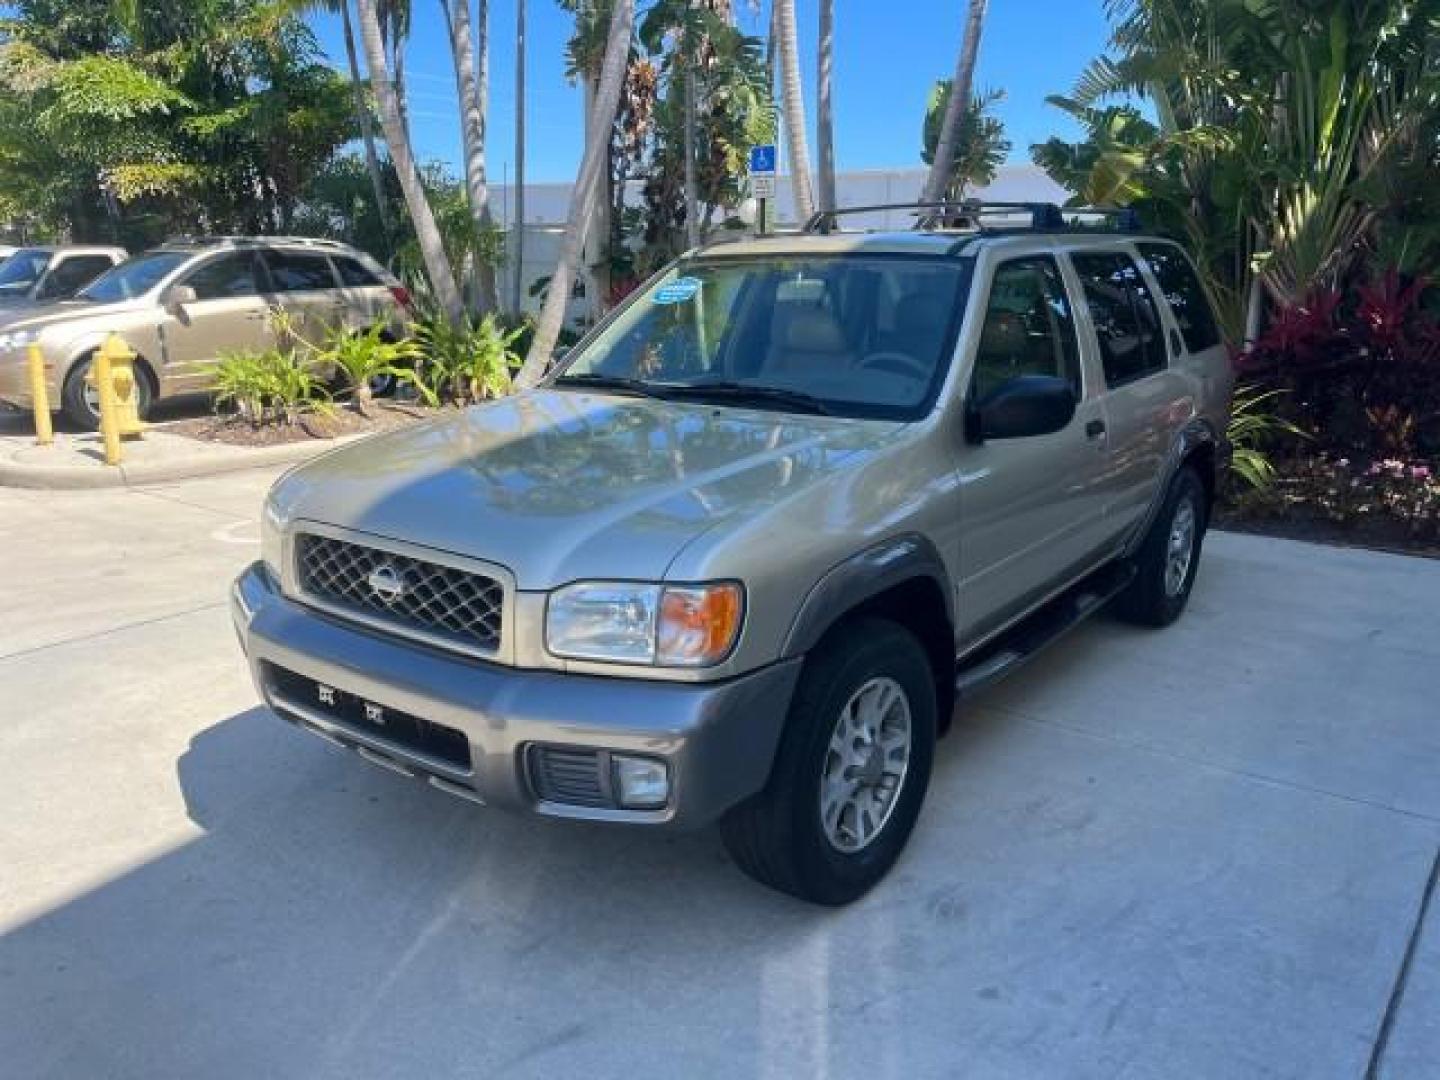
(1021,408)
(177,296)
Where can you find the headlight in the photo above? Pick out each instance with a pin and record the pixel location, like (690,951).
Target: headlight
(18,339)
(272,539)
(629,623)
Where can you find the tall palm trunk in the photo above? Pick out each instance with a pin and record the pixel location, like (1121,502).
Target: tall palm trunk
(692,185)
(938,182)
(517,256)
(824,105)
(794,108)
(432,250)
(597,147)
(471,53)
(367,127)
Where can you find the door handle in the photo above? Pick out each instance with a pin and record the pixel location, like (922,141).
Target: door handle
(1094,429)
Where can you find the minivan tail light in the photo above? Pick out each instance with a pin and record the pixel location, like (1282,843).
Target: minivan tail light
(403,298)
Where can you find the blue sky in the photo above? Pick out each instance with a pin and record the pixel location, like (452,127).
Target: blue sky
(888,55)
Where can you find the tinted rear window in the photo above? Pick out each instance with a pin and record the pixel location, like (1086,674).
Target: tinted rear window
(1127,324)
(294,272)
(1183,292)
(354,274)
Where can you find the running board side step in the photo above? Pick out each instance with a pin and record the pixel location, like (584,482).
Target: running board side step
(1012,649)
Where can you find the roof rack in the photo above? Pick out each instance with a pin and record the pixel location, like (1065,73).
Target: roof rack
(240,241)
(971,215)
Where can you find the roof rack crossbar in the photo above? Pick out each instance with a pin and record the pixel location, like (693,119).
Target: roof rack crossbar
(970,214)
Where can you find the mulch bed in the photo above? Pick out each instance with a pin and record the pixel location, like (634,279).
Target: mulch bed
(233,431)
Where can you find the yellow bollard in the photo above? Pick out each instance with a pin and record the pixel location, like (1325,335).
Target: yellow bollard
(99,376)
(40,398)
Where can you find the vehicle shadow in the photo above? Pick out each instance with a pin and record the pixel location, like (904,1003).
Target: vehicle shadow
(329,918)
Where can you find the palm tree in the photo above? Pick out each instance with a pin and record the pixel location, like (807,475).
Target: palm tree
(517,255)
(960,100)
(582,199)
(470,50)
(980,146)
(824,105)
(794,107)
(364,121)
(432,248)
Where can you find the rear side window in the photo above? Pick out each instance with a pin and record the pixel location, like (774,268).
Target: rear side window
(73,274)
(1182,291)
(1127,325)
(353,273)
(225,278)
(1028,328)
(294,272)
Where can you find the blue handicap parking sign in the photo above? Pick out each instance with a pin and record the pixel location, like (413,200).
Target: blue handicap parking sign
(762,159)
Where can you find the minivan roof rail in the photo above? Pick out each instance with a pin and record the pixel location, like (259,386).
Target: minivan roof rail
(239,241)
(971,215)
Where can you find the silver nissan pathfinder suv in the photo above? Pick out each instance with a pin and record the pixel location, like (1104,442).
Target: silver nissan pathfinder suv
(741,555)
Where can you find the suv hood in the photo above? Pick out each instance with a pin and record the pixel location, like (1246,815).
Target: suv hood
(32,315)
(560,486)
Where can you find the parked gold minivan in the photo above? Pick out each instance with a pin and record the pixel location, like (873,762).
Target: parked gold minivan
(187,302)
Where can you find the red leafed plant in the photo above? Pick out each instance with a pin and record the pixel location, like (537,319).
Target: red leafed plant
(1385,314)
(1304,335)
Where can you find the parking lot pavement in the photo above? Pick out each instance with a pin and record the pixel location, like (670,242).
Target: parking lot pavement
(1193,853)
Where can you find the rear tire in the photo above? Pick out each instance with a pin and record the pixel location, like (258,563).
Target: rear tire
(868,678)
(1169,558)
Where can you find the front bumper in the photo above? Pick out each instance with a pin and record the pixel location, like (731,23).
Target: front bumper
(718,740)
(15,380)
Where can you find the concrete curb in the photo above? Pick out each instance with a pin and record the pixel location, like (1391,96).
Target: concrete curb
(87,477)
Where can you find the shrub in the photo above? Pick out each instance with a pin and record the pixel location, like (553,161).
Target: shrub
(1254,431)
(268,385)
(463,363)
(365,356)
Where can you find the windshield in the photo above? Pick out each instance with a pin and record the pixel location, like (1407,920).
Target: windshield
(22,270)
(856,335)
(133,278)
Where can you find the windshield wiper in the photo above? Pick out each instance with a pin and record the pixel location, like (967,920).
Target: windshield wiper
(620,384)
(736,393)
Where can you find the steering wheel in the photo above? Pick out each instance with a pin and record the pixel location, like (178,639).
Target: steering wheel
(897,363)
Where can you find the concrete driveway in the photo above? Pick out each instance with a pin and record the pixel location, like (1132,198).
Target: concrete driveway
(1196,853)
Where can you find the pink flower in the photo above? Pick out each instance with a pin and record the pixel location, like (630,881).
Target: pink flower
(1420,472)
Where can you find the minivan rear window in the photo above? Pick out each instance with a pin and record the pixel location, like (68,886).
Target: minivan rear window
(294,272)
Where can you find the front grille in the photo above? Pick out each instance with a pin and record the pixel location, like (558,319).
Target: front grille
(458,606)
(414,733)
(572,777)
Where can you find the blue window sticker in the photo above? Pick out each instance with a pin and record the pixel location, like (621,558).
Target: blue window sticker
(680,291)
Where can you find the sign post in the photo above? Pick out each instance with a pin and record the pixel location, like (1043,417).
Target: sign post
(762,182)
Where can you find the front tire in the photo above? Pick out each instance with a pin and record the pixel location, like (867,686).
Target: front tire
(852,769)
(1169,558)
(80,403)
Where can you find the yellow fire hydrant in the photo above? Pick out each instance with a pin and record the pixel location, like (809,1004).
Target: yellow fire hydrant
(112,374)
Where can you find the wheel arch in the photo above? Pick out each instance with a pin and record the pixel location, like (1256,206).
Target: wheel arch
(1197,445)
(902,579)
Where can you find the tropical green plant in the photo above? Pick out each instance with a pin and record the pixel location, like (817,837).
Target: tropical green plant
(365,357)
(267,385)
(1253,432)
(134,120)
(980,146)
(464,362)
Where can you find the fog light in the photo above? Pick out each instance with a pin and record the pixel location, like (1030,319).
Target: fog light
(641,783)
